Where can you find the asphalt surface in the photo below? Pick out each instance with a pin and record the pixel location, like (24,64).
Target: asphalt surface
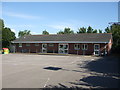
(40,71)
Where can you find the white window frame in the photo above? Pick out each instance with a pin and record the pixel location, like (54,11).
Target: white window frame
(98,50)
(76,48)
(27,44)
(98,46)
(63,49)
(83,47)
(20,44)
(36,44)
(44,49)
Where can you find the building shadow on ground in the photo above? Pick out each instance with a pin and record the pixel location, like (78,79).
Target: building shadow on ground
(105,74)
(63,87)
(107,65)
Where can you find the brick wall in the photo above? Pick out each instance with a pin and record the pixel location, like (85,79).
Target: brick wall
(54,49)
(32,48)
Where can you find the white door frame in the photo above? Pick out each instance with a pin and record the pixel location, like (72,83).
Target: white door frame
(98,50)
(63,48)
(44,50)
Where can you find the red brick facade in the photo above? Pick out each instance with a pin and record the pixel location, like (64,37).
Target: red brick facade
(71,50)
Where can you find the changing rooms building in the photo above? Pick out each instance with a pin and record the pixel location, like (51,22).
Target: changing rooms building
(82,44)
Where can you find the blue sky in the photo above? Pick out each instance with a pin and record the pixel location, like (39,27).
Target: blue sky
(55,16)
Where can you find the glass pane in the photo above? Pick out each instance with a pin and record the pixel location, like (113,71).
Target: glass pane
(96,52)
(66,51)
(65,46)
(96,47)
(44,50)
(20,44)
(78,46)
(45,45)
(60,51)
(61,46)
(85,47)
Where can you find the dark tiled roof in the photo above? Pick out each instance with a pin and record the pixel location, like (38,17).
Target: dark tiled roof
(86,37)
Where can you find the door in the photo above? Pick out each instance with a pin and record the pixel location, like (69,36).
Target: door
(96,49)
(44,48)
(63,48)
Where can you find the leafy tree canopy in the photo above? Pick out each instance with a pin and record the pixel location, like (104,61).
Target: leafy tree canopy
(107,30)
(23,33)
(1,24)
(7,37)
(94,31)
(45,32)
(115,30)
(60,32)
(100,31)
(7,34)
(66,31)
(82,30)
(89,30)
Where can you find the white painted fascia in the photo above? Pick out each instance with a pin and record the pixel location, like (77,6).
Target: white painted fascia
(57,42)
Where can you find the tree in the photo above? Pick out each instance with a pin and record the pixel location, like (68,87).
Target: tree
(23,33)
(100,31)
(1,24)
(115,30)
(1,28)
(7,37)
(66,31)
(107,30)
(45,32)
(82,30)
(94,31)
(60,32)
(89,30)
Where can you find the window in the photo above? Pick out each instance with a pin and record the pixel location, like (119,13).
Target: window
(27,44)
(36,44)
(76,46)
(20,44)
(96,47)
(84,47)
(63,48)
(51,45)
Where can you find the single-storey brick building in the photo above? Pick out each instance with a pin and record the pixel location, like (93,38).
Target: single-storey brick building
(82,44)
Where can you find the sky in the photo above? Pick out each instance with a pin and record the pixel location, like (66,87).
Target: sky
(55,16)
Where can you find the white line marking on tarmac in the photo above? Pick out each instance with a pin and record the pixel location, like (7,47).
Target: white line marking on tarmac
(46,82)
(92,59)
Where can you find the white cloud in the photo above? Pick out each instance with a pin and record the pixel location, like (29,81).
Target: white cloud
(13,30)
(20,15)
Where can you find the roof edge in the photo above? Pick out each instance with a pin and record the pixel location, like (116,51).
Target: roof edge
(58,42)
